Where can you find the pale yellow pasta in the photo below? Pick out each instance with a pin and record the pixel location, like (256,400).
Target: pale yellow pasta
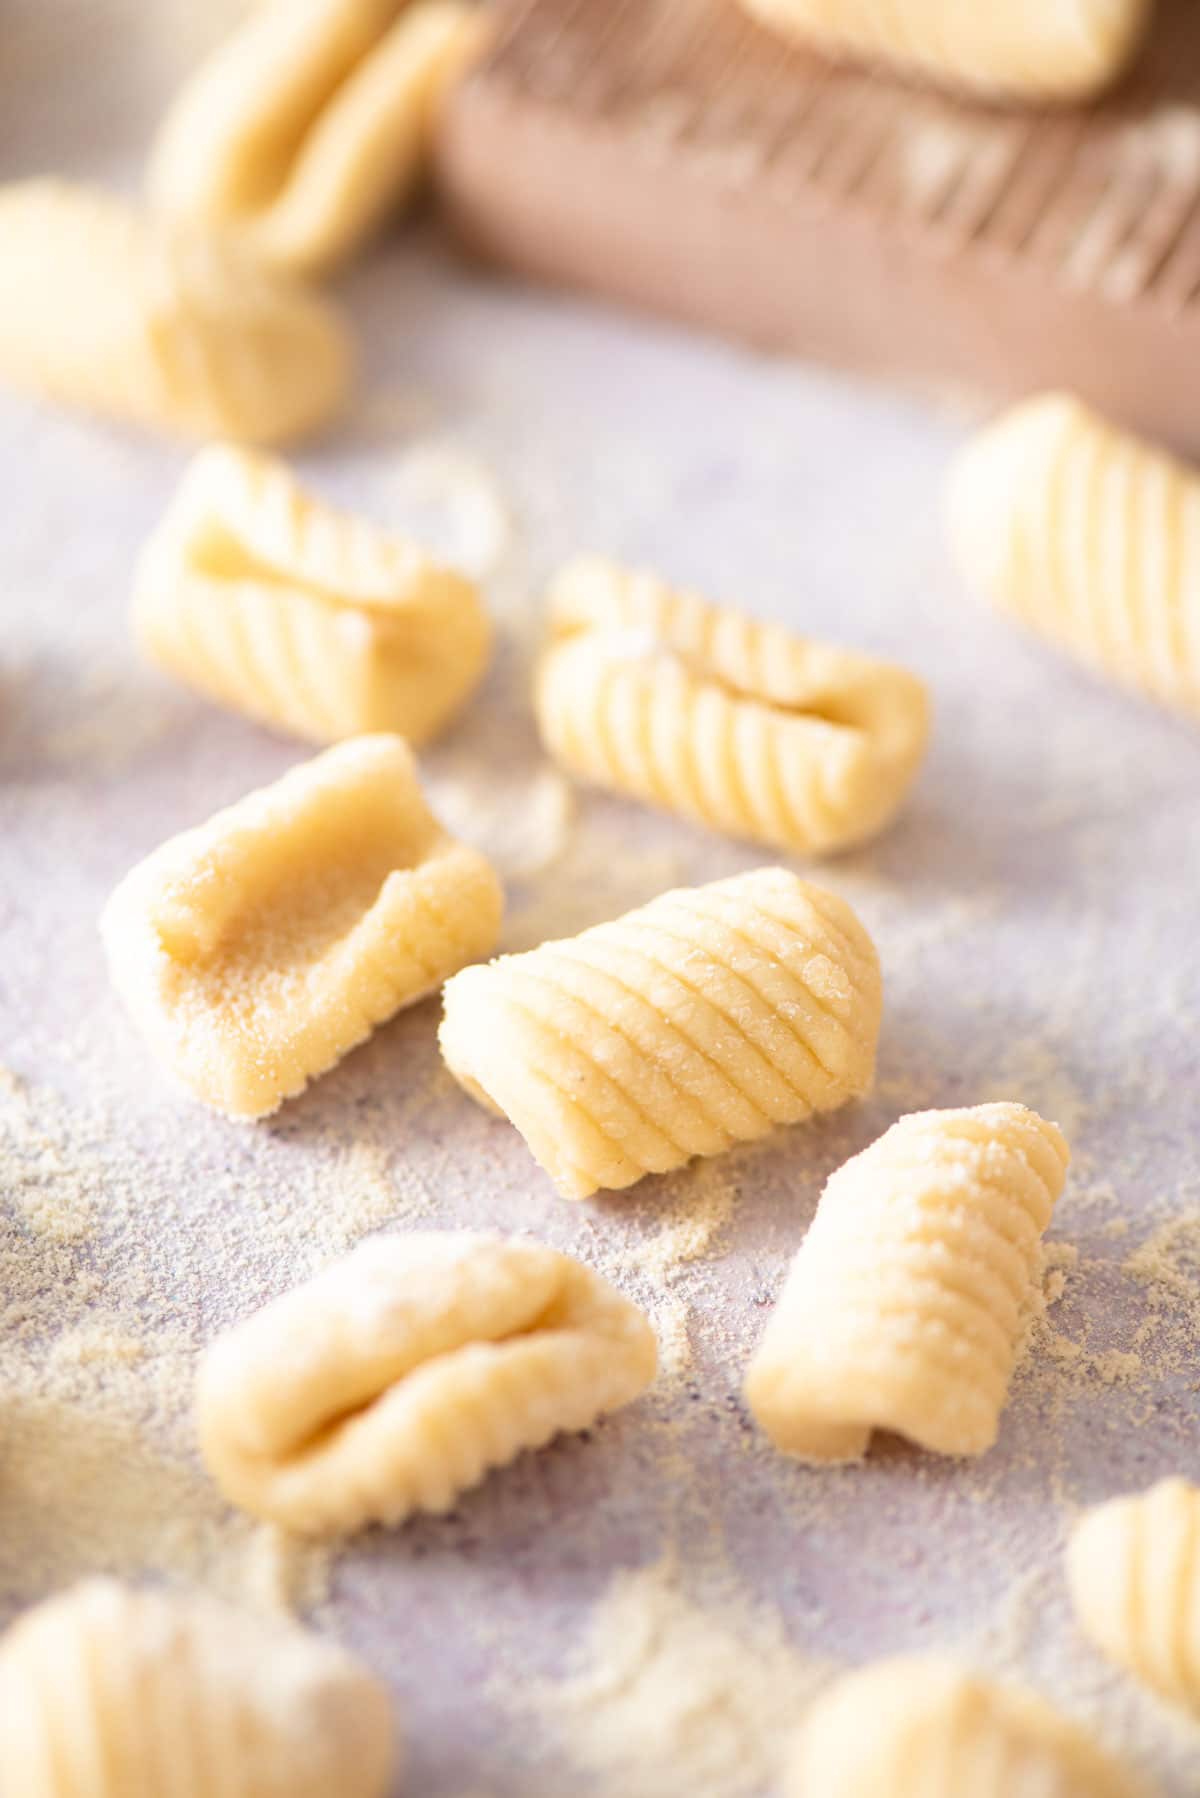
(1133,1567)
(256,950)
(1088,536)
(656,693)
(1048,50)
(706,1018)
(312,122)
(107,1692)
(165,325)
(278,606)
(925,1728)
(908,1298)
(399,1376)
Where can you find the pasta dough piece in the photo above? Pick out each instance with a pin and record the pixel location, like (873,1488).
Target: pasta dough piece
(256,950)
(703,1019)
(273,603)
(1037,49)
(1133,1567)
(312,123)
(111,1693)
(906,1302)
(394,1380)
(165,325)
(924,1728)
(740,725)
(1088,536)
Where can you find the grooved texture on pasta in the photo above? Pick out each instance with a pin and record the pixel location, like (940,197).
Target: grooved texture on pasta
(740,725)
(925,1728)
(908,1298)
(163,324)
(1089,537)
(1043,49)
(107,1692)
(256,950)
(298,615)
(706,1018)
(394,1380)
(312,122)
(1133,1567)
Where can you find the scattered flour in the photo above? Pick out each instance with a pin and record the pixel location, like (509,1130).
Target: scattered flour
(672,1695)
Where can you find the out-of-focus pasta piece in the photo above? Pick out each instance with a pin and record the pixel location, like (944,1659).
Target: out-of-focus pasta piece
(163,324)
(275,604)
(743,726)
(312,123)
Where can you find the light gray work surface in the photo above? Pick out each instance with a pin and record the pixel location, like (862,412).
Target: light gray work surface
(1035,910)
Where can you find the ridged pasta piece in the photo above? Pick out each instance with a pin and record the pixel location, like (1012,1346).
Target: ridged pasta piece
(1133,1567)
(706,1018)
(1024,49)
(107,1692)
(398,1377)
(1089,537)
(255,951)
(907,1300)
(165,325)
(740,725)
(312,122)
(280,607)
(925,1728)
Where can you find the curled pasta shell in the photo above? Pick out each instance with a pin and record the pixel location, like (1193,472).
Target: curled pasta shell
(925,1728)
(281,607)
(1027,49)
(257,949)
(162,324)
(397,1377)
(1089,537)
(705,1018)
(106,1692)
(906,1302)
(312,122)
(1133,1567)
(740,725)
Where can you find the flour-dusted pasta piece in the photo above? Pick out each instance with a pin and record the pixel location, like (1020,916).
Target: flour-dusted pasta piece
(1032,49)
(256,950)
(166,325)
(925,1728)
(1088,536)
(705,1018)
(399,1376)
(312,122)
(906,1303)
(304,617)
(108,1692)
(740,725)
(1133,1567)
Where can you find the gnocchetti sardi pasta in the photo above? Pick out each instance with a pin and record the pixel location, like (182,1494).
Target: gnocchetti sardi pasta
(1024,49)
(1088,536)
(307,618)
(162,324)
(311,123)
(1133,1568)
(923,1727)
(658,694)
(907,1300)
(706,1018)
(256,950)
(107,1691)
(394,1380)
